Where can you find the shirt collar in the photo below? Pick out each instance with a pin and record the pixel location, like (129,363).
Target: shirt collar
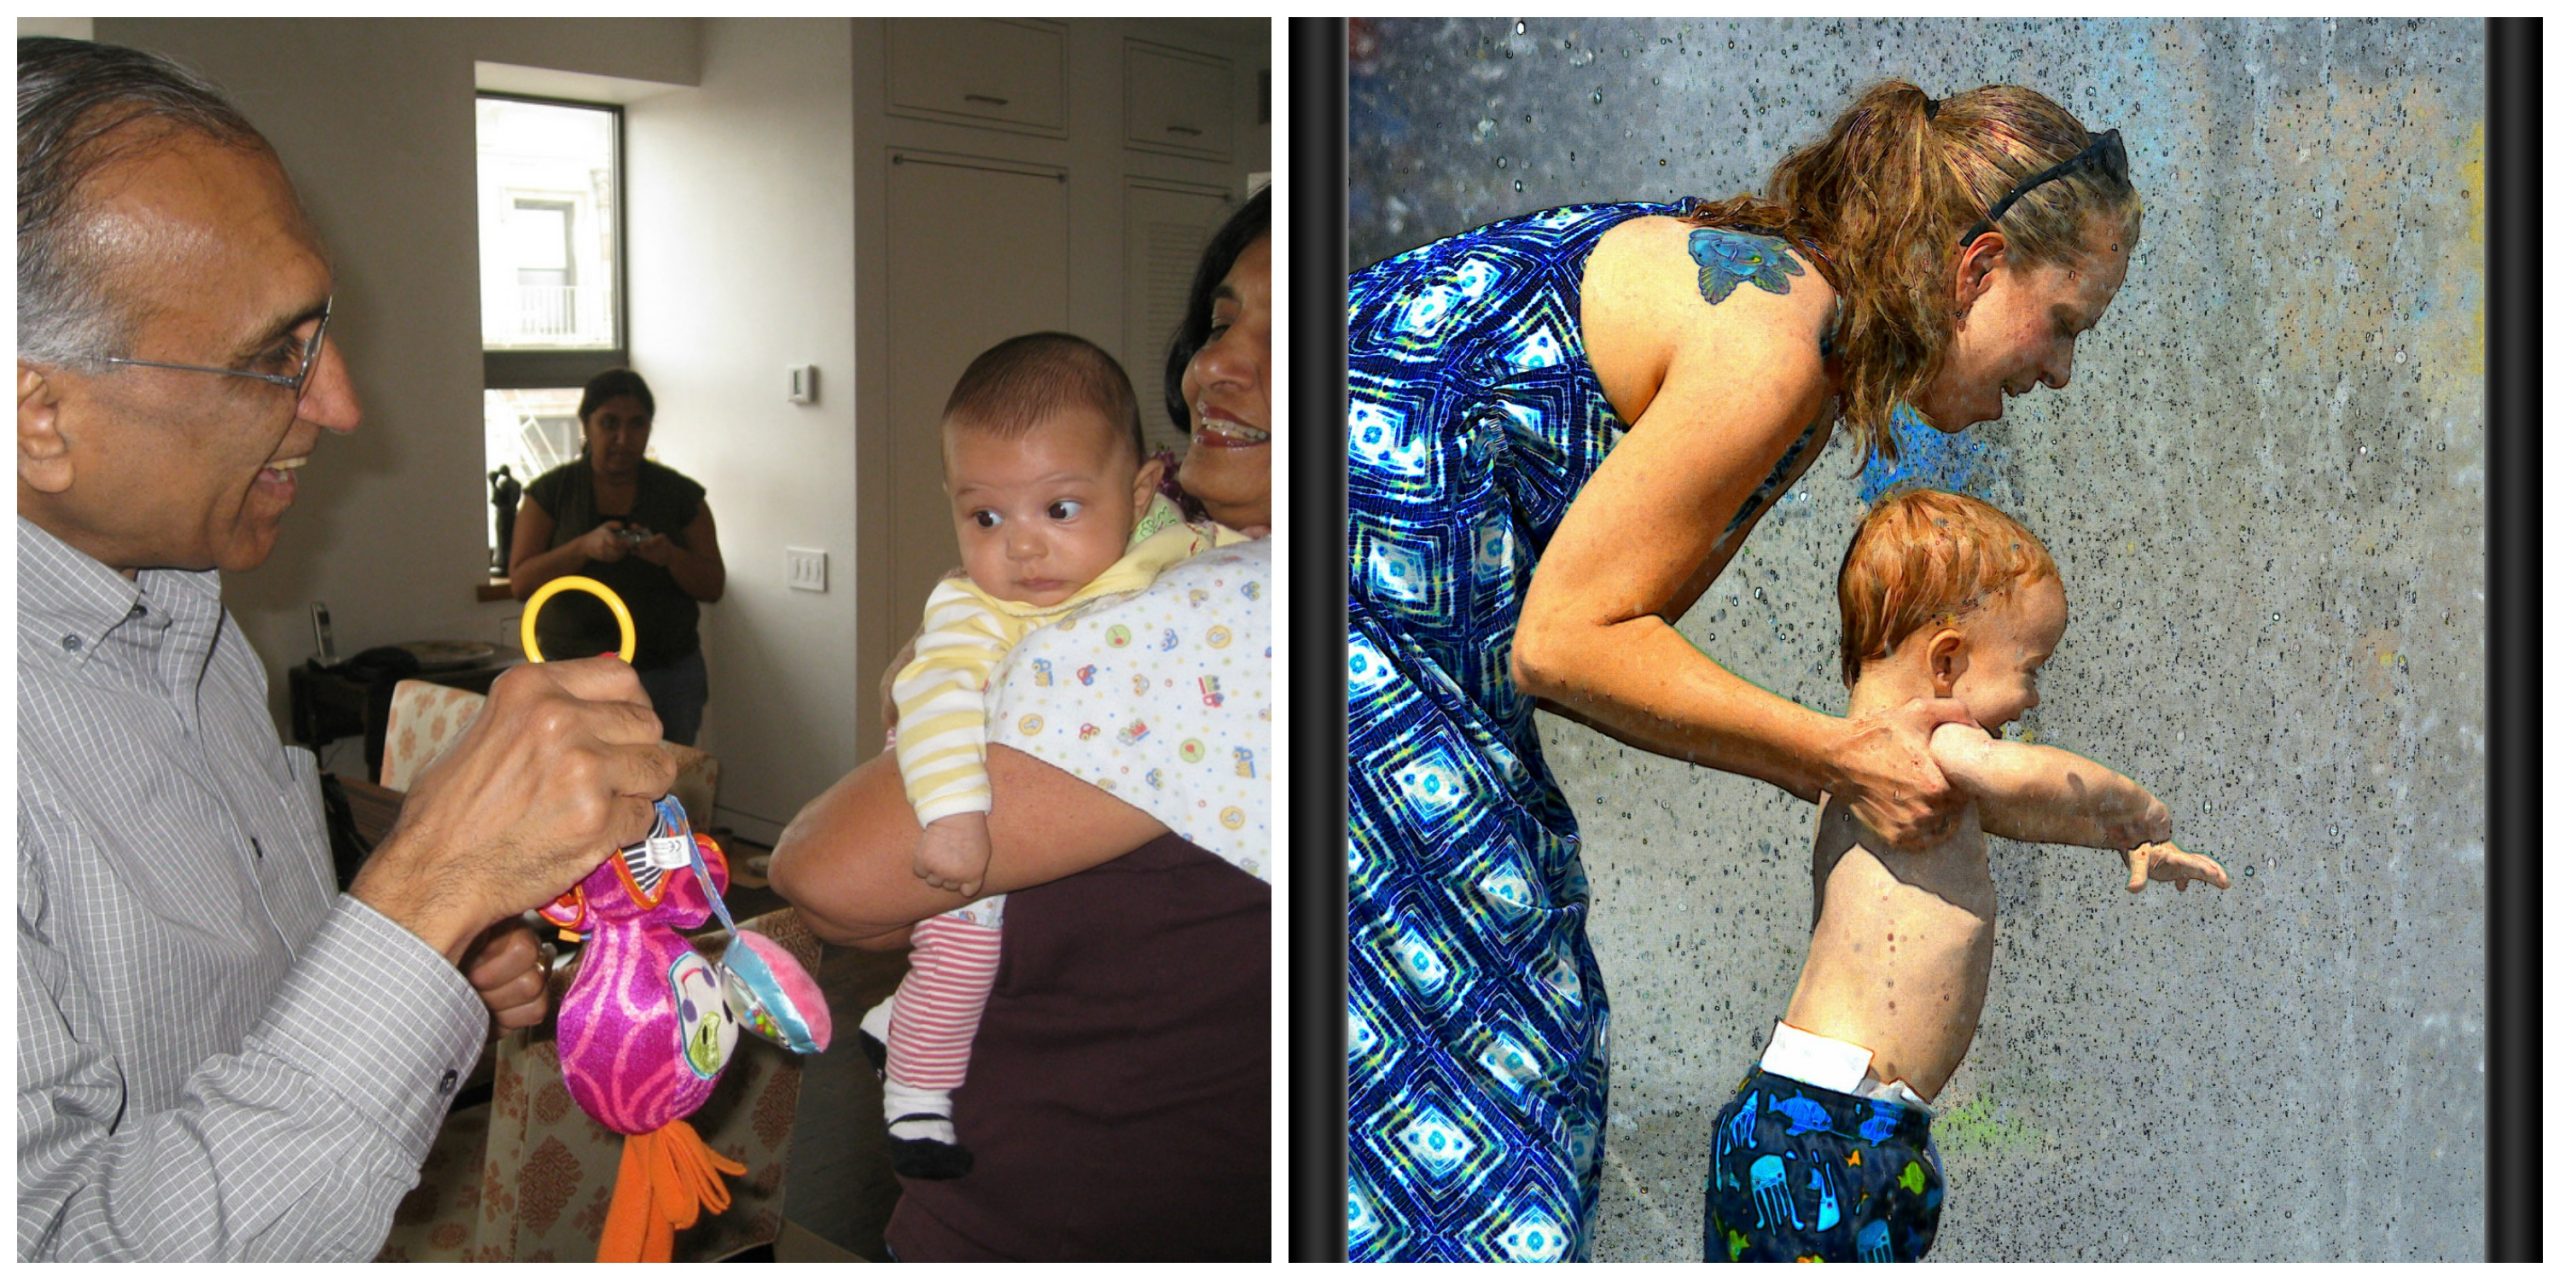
(68,603)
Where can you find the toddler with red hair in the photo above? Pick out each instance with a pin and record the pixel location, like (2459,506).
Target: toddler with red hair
(1824,1152)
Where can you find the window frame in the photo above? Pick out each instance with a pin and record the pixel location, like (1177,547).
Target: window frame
(530,370)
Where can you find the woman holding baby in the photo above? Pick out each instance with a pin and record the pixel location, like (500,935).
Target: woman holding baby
(1118,1092)
(1562,429)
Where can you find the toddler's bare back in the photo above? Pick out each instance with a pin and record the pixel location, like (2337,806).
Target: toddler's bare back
(1901,951)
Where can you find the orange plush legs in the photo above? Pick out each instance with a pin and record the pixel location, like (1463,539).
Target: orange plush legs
(668,1177)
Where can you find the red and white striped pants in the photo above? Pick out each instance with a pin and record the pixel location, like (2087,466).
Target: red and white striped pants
(949,975)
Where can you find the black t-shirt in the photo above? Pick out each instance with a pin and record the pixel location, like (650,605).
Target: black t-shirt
(577,625)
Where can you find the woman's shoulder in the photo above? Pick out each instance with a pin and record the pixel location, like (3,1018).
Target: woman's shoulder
(1224,590)
(1661,292)
(670,480)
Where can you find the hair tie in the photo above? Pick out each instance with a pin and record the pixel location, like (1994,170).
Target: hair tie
(1928,106)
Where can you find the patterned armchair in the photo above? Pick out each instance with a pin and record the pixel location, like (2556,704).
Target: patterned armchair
(425,719)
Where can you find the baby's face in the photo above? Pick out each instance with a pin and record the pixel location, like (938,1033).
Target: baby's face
(1043,514)
(2006,642)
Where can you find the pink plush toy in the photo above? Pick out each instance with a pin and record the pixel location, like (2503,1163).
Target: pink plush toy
(648,1024)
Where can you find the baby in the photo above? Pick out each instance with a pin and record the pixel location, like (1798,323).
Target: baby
(1824,1152)
(1041,454)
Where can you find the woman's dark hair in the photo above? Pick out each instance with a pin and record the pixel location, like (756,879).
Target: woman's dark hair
(615,382)
(1250,223)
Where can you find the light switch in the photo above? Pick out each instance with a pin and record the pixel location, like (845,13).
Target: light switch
(803,383)
(805,568)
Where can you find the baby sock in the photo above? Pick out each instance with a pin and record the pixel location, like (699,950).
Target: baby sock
(873,1034)
(922,1143)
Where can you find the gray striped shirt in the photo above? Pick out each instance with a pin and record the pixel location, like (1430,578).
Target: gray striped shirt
(219,1056)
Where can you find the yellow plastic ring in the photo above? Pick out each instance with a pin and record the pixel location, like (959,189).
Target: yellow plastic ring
(575,582)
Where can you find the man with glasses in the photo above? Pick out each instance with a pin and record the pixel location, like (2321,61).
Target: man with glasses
(219,1056)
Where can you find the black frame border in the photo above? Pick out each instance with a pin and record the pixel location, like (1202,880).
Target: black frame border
(1319,575)
(2512,957)
(2514,615)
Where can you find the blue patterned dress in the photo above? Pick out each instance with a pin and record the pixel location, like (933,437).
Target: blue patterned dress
(1478,1034)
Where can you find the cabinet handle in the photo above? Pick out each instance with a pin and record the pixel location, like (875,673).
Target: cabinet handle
(1183,129)
(988,98)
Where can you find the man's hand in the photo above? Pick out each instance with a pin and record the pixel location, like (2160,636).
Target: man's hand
(561,768)
(506,966)
(953,853)
(2166,861)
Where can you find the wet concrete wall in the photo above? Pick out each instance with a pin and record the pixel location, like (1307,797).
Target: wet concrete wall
(2264,488)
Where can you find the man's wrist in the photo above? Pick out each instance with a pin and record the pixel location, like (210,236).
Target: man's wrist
(411,899)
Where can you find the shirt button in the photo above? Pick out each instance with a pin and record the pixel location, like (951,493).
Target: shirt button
(445,1085)
(71,644)
(136,613)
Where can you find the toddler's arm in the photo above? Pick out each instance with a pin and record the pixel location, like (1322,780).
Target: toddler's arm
(2045,795)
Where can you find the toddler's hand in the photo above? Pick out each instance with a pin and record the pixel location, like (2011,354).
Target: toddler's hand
(2166,861)
(2150,826)
(953,854)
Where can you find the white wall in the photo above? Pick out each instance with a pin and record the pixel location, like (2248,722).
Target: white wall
(742,212)
(374,120)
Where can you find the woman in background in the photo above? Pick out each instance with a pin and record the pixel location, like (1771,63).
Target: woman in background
(637,527)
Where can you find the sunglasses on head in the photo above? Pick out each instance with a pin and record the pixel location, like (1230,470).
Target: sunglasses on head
(2105,153)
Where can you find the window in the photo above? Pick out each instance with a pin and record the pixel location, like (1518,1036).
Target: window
(551,313)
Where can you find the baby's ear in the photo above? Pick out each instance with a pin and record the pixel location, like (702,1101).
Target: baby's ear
(1150,478)
(1946,660)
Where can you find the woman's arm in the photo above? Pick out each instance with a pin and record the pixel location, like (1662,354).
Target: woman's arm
(848,860)
(532,561)
(695,562)
(1646,537)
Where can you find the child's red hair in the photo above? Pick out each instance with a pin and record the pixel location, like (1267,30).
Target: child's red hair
(1923,556)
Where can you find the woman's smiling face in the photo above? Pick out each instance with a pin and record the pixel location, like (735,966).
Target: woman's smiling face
(1228,386)
(2021,329)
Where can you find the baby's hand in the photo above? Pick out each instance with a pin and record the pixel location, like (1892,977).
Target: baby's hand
(2166,861)
(953,854)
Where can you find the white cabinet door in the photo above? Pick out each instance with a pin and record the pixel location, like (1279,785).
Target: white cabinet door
(976,253)
(1163,228)
(980,71)
(1180,102)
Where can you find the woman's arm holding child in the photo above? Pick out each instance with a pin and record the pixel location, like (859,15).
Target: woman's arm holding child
(2045,795)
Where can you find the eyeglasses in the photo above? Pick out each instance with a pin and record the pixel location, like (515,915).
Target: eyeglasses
(299,380)
(2105,154)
